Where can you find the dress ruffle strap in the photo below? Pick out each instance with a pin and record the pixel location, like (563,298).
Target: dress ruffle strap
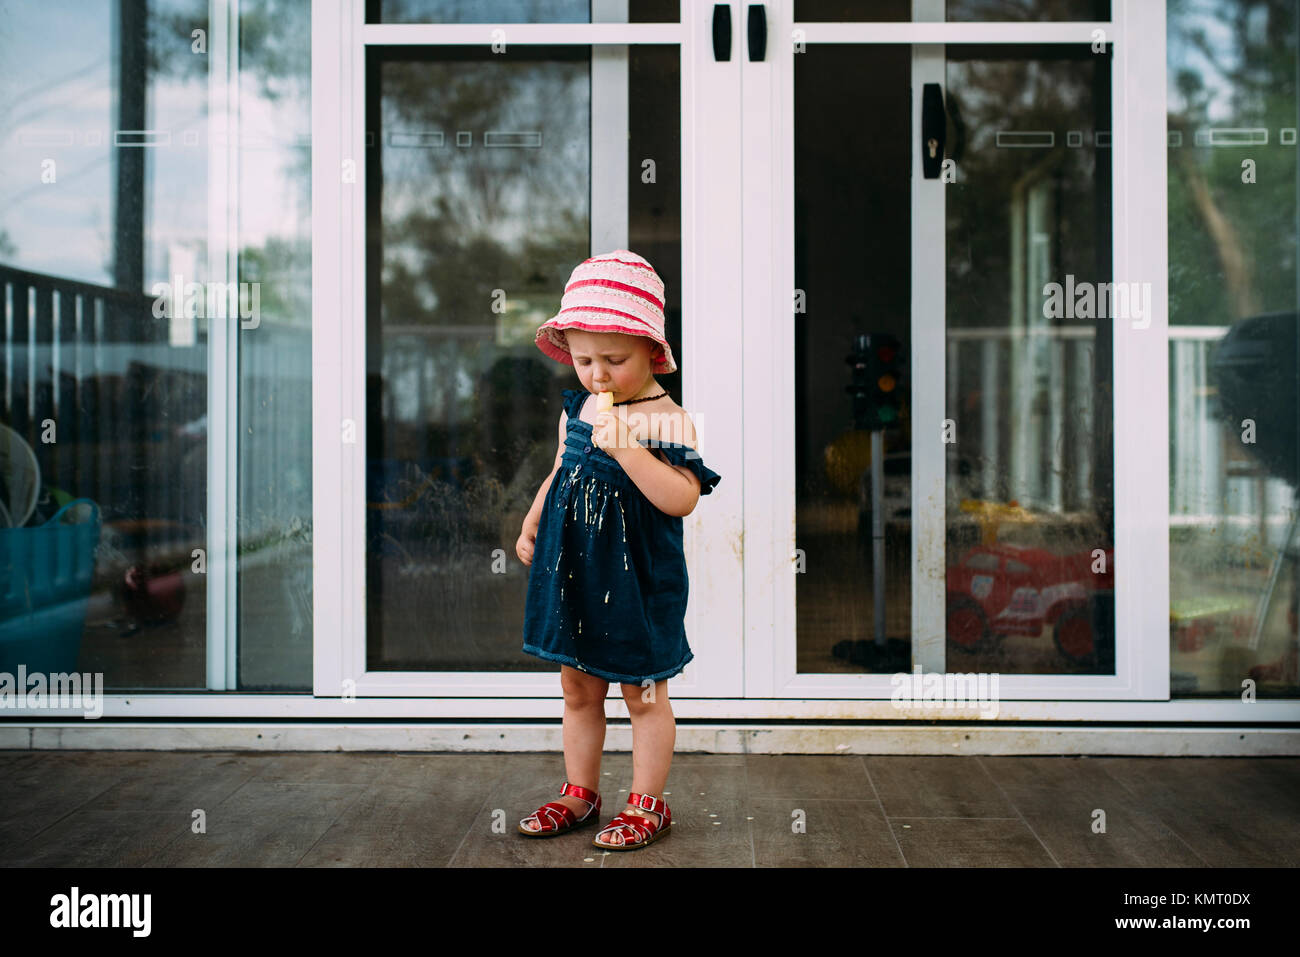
(677,453)
(680,454)
(573,399)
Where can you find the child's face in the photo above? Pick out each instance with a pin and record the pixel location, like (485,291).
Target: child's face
(612,361)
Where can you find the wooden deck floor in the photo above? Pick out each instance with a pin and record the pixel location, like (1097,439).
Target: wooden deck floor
(134,808)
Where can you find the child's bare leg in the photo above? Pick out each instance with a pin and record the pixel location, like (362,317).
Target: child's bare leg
(654,732)
(584,734)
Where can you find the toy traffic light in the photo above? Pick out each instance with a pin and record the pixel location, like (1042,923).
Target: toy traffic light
(876,387)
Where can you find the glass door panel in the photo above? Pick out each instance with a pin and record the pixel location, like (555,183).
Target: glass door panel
(474,179)
(520,11)
(957,11)
(1030,483)
(853,269)
(492,175)
(996,285)
(974,11)
(1234,365)
(1028,461)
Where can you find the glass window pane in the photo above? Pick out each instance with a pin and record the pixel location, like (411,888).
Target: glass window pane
(275,385)
(1029,361)
(852,11)
(852,266)
(101,398)
(520,11)
(107,304)
(1028,10)
(1233,368)
(896,11)
(483,178)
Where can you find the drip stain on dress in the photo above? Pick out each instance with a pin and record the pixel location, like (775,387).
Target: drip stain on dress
(594,481)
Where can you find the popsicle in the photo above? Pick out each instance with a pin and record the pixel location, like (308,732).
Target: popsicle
(604,401)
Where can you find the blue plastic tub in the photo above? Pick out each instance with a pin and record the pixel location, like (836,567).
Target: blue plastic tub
(45,578)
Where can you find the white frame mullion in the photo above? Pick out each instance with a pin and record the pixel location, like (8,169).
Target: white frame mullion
(710,259)
(609,115)
(221,579)
(480,34)
(928,379)
(713,201)
(1141,355)
(767,302)
(335,578)
(1141,374)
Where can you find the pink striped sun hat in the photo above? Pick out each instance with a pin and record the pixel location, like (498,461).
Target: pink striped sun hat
(613,292)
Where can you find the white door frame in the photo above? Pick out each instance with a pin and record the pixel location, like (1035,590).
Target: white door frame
(711,254)
(1140,360)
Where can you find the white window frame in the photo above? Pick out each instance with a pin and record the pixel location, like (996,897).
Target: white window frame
(277,720)
(1140,361)
(221,672)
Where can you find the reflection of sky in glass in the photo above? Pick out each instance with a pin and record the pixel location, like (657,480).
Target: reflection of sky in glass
(505,195)
(485,11)
(56,78)
(176,176)
(58,75)
(1188,21)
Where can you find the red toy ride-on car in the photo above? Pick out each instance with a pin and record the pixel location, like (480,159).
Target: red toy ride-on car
(1002,589)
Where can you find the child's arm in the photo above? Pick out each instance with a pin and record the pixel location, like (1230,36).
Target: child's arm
(532,520)
(673,489)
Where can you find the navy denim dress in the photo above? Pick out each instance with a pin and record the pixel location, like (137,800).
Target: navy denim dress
(607,587)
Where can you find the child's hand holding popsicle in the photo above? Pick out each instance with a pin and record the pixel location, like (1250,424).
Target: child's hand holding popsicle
(611,431)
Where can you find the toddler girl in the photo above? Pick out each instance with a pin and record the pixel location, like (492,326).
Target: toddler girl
(607,583)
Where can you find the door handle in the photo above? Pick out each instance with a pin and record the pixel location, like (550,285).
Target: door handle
(757,31)
(934,129)
(721,31)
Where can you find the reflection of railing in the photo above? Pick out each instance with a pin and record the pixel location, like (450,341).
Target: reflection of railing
(90,368)
(1024,401)
(130,408)
(1030,421)
(1209,486)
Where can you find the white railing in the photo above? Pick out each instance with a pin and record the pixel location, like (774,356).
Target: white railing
(1027,402)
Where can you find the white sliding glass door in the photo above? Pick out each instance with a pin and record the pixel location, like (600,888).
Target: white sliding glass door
(990,197)
(464,164)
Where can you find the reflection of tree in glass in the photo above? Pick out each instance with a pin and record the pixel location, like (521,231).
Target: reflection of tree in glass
(1021,10)
(467,230)
(275,67)
(1232,245)
(999,90)
(274,44)
(462,221)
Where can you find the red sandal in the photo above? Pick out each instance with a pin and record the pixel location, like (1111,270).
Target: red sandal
(556,818)
(643,830)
